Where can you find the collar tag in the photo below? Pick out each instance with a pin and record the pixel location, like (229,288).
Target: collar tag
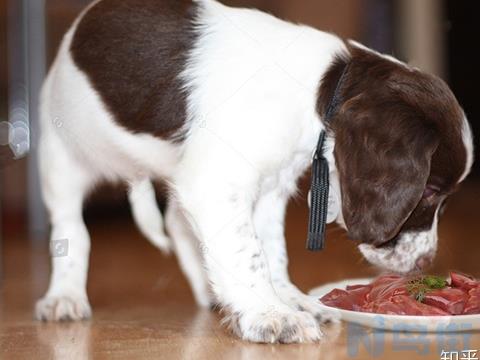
(333,205)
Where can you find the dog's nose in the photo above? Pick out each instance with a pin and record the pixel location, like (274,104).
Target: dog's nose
(423,262)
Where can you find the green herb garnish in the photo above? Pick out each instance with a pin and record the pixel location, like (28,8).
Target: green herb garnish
(418,287)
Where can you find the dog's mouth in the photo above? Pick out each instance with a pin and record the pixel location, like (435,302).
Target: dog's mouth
(404,253)
(386,257)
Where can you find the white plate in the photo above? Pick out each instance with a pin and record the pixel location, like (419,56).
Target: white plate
(397,322)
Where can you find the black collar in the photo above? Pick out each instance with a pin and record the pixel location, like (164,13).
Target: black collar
(320,177)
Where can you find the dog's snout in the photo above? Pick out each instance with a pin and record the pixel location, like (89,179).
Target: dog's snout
(423,262)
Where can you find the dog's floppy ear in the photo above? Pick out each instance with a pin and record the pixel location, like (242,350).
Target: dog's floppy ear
(383,152)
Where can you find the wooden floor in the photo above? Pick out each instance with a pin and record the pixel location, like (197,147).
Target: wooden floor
(143,308)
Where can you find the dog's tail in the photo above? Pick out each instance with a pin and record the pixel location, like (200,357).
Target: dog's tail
(147,215)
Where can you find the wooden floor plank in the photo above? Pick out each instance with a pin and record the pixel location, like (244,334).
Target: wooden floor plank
(143,308)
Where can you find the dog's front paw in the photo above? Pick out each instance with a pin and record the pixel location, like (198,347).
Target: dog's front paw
(63,308)
(313,306)
(282,325)
(298,300)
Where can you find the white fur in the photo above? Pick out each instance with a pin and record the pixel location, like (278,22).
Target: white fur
(81,145)
(252,82)
(387,57)
(190,254)
(147,215)
(410,247)
(260,126)
(469,147)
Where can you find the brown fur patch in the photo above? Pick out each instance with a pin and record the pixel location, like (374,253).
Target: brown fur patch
(133,52)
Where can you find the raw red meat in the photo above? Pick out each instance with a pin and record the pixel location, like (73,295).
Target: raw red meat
(359,294)
(413,307)
(385,307)
(451,300)
(384,289)
(339,298)
(473,303)
(462,281)
(399,295)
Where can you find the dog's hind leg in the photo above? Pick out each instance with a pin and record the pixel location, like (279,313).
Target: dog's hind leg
(147,215)
(189,253)
(65,182)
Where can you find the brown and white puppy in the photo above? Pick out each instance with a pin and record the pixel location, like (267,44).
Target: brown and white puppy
(402,145)
(226,106)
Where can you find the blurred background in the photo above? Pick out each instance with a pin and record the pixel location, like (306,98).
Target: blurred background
(436,35)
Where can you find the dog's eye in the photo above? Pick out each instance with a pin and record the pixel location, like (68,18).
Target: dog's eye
(430,191)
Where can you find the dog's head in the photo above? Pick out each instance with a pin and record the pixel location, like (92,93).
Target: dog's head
(402,146)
